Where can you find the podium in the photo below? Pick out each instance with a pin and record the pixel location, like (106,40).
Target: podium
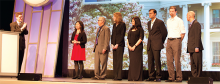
(9,53)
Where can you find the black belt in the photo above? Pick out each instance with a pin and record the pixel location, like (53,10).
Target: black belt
(173,38)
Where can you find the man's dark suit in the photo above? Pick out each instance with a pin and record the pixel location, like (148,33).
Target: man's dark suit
(157,36)
(17,28)
(194,41)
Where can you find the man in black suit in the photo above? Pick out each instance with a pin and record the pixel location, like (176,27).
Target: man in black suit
(194,45)
(157,35)
(21,27)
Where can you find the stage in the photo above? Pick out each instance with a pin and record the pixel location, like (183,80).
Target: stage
(82,81)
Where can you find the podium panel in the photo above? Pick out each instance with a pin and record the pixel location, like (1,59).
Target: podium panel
(9,52)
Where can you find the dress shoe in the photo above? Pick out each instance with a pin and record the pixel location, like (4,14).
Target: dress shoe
(157,80)
(169,80)
(149,79)
(74,77)
(94,78)
(178,80)
(80,77)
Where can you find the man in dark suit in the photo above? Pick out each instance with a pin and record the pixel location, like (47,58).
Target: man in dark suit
(21,27)
(157,35)
(101,49)
(194,45)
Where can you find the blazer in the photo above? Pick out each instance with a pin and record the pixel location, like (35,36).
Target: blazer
(15,28)
(82,38)
(157,35)
(103,40)
(194,37)
(118,34)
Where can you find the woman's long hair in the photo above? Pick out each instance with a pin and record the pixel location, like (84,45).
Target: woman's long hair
(81,27)
(137,23)
(118,17)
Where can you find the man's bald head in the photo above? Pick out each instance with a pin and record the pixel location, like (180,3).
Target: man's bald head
(191,13)
(190,16)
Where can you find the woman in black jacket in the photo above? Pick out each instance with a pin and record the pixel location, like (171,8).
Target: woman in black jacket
(118,43)
(79,40)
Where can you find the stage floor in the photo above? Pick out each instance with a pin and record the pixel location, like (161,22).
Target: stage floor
(82,81)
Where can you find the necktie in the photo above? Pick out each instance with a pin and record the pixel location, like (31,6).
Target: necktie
(96,41)
(189,26)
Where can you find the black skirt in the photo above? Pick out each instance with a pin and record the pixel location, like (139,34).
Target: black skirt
(136,64)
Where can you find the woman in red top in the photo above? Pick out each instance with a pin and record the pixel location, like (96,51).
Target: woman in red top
(79,40)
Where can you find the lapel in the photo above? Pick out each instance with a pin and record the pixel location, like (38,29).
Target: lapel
(21,24)
(149,26)
(101,30)
(79,36)
(114,26)
(73,36)
(153,24)
(18,26)
(190,27)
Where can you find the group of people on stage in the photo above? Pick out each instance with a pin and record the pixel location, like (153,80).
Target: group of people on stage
(157,36)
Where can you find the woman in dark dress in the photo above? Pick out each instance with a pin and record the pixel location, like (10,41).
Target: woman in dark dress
(79,40)
(118,43)
(135,47)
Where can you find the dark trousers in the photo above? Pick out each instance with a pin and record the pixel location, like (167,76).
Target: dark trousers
(117,62)
(154,55)
(196,63)
(21,56)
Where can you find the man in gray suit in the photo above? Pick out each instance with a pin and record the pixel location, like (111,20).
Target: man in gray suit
(101,49)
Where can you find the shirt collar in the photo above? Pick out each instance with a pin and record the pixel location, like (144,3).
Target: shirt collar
(18,22)
(193,21)
(153,21)
(101,26)
(173,18)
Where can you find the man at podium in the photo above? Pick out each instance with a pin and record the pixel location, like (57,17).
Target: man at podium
(19,26)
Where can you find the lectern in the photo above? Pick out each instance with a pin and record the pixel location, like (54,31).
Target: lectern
(9,53)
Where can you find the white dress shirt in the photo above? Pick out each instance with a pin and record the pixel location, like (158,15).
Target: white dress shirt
(18,23)
(175,27)
(152,22)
